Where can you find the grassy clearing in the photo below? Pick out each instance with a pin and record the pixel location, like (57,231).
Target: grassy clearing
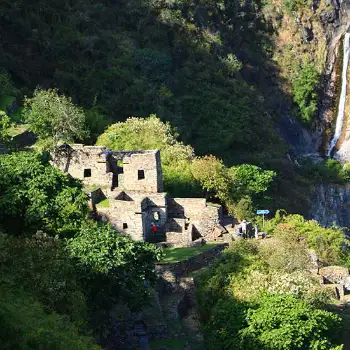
(18,129)
(103,204)
(172,255)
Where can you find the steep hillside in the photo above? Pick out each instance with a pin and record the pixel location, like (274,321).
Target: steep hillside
(222,72)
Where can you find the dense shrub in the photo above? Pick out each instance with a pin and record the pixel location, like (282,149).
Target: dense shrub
(249,300)
(304,90)
(35,195)
(25,325)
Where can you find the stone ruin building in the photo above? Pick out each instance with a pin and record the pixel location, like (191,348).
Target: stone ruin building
(126,188)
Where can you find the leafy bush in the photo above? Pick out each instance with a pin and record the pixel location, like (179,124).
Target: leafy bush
(247,301)
(330,244)
(115,261)
(37,196)
(304,86)
(25,325)
(329,171)
(5,125)
(284,322)
(42,267)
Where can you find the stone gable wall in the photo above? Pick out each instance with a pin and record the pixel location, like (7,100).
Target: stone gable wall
(149,164)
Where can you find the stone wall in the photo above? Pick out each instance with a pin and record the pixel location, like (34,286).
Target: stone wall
(133,213)
(86,163)
(201,216)
(142,172)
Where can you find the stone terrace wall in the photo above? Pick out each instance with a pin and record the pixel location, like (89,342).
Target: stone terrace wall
(171,273)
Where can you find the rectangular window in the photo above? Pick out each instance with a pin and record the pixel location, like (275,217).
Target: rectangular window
(140,174)
(125,225)
(87,172)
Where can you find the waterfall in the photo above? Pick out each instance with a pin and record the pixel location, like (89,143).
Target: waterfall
(342,100)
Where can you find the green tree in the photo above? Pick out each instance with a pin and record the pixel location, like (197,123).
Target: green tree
(42,267)
(26,325)
(54,117)
(35,195)
(114,261)
(284,322)
(212,175)
(152,133)
(250,180)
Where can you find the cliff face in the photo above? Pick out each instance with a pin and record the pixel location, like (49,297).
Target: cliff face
(331,205)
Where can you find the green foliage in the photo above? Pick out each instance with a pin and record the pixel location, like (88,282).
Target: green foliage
(35,195)
(179,59)
(243,209)
(25,325)
(43,268)
(212,175)
(250,180)
(330,244)
(6,85)
(115,261)
(96,121)
(304,87)
(5,126)
(53,118)
(329,171)
(284,322)
(151,133)
(293,5)
(261,296)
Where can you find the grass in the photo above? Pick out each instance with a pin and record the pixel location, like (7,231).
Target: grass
(91,188)
(18,129)
(104,203)
(172,255)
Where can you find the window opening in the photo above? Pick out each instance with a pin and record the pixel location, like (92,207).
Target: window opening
(125,225)
(140,174)
(87,172)
(156,216)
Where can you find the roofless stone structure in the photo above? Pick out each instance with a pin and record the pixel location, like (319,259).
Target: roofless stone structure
(132,183)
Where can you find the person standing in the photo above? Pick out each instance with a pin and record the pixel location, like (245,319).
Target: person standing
(154,228)
(244,228)
(256,232)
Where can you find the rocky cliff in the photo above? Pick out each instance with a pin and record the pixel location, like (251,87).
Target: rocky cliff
(331,205)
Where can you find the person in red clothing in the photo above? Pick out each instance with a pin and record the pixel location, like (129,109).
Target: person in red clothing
(154,228)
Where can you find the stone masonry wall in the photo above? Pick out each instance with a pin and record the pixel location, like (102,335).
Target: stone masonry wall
(86,163)
(147,163)
(203,217)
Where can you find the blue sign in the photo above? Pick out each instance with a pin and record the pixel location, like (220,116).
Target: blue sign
(262,212)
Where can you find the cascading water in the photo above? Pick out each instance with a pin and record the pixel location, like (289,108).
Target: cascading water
(342,99)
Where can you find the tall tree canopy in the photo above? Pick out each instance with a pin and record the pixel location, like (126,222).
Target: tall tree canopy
(53,118)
